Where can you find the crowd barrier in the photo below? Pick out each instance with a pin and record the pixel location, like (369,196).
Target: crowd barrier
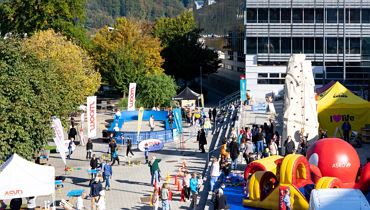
(164,135)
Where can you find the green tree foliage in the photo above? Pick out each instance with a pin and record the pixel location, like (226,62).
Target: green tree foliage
(65,16)
(103,12)
(127,53)
(30,93)
(157,89)
(183,53)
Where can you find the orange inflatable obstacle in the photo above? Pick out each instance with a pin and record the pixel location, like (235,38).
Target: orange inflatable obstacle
(330,163)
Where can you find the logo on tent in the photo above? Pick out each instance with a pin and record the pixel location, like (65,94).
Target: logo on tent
(340,95)
(13,192)
(338,118)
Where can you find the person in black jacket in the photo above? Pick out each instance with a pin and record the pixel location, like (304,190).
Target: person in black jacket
(214,113)
(220,200)
(15,204)
(72,133)
(234,153)
(289,146)
(89,149)
(202,140)
(94,162)
(128,149)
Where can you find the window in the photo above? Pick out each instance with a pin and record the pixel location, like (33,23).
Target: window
(331,15)
(340,15)
(365,15)
(309,16)
(231,55)
(355,46)
(319,43)
(319,75)
(274,15)
(262,75)
(331,45)
(274,45)
(355,15)
(286,45)
(285,15)
(262,15)
(274,75)
(251,45)
(366,46)
(309,45)
(297,15)
(297,45)
(241,69)
(262,45)
(283,75)
(319,15)
(251,15)
(340,45)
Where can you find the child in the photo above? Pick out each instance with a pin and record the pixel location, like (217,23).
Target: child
(80,201)
(155,199)
(100,203)
(146,153)
(287,199)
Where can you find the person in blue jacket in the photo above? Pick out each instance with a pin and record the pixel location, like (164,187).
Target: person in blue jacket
(194,189)
(108,172)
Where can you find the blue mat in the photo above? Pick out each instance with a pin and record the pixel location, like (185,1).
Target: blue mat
(234,196)
(75,193)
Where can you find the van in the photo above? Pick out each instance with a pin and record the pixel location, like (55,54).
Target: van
(338,199)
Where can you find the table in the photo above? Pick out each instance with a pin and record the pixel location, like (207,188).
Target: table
(75,193)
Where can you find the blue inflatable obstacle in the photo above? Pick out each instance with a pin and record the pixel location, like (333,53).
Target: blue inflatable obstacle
(166,135)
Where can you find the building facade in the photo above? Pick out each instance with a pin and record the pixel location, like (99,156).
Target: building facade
(333,34)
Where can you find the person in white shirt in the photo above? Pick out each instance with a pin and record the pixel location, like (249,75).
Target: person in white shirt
(215,172)
(116,128)
(80,202)
(151,123)
(31,203)
(100,204)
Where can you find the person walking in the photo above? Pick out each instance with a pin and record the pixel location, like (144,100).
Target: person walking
(194,190)
(346,127)
(215,173)
(146,153)
(95,189)
(15,204)
(214,114)
(202,140)
(151,123)
(210,114)
(154,170)
(234,153)
(112,147)
(115,156)
(165,196)
(107,173)
(155,199)
(94,162)
(31,203)
(207,126)
(186,185)
(289,146)
(129,146)
(89,148)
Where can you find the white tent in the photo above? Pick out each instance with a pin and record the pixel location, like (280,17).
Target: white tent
(20,178)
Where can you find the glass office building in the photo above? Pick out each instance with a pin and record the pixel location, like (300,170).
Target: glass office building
(334,35)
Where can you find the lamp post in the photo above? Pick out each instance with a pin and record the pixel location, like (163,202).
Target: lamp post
(201,81)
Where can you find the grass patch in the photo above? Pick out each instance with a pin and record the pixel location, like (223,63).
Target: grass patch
(53,149)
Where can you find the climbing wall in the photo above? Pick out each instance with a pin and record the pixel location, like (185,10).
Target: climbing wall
(299,100)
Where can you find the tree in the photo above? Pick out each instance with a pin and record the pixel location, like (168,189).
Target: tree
(183,53)
(157,89)
(127,53)
(30,93)
(72,64)
(27,17)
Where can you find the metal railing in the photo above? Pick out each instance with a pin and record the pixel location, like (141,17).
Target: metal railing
(230,98)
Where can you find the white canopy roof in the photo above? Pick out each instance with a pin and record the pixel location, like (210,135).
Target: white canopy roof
(22,178)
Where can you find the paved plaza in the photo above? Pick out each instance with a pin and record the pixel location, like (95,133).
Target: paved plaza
(130,185)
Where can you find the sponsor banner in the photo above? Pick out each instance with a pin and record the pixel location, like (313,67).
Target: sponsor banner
(59,138)
(243,89)
(282,193)
(178,119)
(91,117)
(131,97)
(140,119)
(153,145)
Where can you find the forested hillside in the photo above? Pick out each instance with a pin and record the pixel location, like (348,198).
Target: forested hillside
(103,12)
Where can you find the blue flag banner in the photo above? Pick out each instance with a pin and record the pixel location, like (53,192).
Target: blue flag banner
(178,119)
(243,89)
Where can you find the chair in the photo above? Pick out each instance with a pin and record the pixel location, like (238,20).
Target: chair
(66,205)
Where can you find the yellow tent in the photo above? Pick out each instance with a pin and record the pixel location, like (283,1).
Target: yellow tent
(338,104)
